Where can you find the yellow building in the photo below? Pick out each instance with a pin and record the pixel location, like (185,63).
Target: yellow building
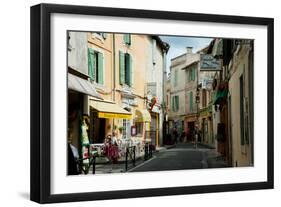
(116,66)
(106,115)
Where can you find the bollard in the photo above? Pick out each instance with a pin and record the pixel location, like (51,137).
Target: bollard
(134,157)
(146,151)
(150,151)
(126,160)
(94,165)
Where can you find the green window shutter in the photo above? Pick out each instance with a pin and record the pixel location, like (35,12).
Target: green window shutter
(100,68)
(191,102)
(91,64)
(131,70)
(124,38)
(173,103)
(127,39)
(193,74)
(127,69)
(121,67)
(177,103)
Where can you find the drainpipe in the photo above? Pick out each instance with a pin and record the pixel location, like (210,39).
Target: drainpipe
(163,97)
(114,69)
(114,72)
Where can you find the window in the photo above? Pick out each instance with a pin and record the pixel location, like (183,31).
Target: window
(95,66)
(204,98)
(192,74)
(127,39)
(139,128)
(191,101)
(125,69)
(175,103)
(124,130)
(176,78)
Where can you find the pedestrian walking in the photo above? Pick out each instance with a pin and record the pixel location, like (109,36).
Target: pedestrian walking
(176,134)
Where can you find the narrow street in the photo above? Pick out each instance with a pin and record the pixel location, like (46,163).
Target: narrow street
(182,156)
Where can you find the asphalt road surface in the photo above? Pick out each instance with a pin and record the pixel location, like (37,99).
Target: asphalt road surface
(181,157)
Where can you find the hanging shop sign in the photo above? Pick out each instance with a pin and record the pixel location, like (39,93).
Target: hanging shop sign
(209,63)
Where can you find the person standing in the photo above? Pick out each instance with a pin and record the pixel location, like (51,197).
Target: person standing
(175,133)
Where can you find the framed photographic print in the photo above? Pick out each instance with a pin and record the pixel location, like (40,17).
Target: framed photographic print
(134,103)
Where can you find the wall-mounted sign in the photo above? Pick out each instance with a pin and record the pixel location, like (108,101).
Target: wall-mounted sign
(209,63)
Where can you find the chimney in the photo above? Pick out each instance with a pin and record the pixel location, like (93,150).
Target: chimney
(188,50)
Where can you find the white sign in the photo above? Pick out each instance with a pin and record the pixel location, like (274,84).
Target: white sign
(209,63)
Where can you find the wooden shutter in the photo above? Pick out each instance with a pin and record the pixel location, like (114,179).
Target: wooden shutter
(127,69)
(191,102)
(177,103)
(121,67)
(91,64)
(193,74)
(100,68)
(172,103)
(131,70)
(127,39)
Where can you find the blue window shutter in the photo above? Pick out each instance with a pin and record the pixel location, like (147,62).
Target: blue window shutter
(100,68)
(121,67)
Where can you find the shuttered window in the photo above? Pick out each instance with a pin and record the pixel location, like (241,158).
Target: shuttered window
(193,74)
(127,39)
(125,68)
(91,63)
(100,68)
(95,66)
(121,67)
(175,103)
(191,101)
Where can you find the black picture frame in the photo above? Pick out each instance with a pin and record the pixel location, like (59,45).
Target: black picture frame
(40,102)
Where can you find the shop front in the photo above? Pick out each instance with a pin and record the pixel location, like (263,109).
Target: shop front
(205,124)
(105,116)
(142,121)
(79,89)
(189,126)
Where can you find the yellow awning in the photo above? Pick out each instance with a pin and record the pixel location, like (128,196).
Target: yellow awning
(109,110)
(142,116)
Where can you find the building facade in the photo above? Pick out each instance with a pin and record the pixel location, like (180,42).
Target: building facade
(240,102)
(108,80)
